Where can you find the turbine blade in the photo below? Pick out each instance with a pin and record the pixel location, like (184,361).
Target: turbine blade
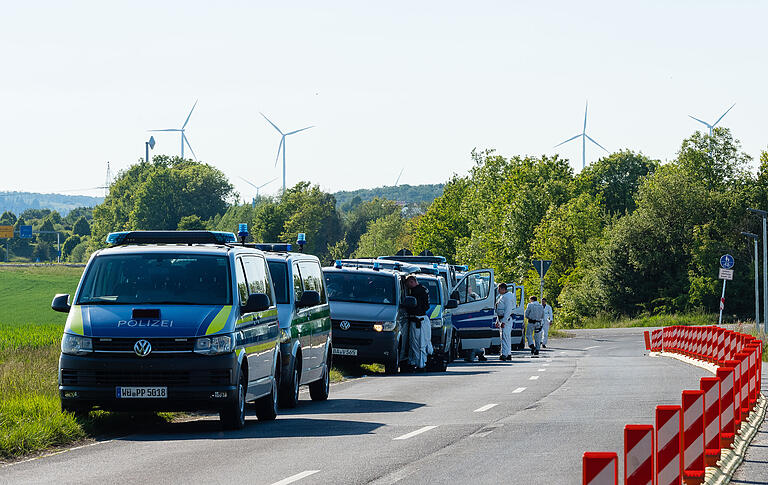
(266,183)
(721,117)
(585,116)
(169,129)
(279,147)
(270,122)
(184,138)
(250,183)
(566,141)
(702,122)
(296,131)
(596,143)
(188,116)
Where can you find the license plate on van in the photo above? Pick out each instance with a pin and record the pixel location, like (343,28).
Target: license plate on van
(141,392)
(337,351)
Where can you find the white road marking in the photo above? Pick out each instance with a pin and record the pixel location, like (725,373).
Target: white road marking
(485,408)
(296,478)
(541,370)
(414,433)
(545,365)
(533,378)
(519,390)
(593,347)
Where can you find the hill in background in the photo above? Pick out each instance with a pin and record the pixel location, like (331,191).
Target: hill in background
(410,194)
(18,202)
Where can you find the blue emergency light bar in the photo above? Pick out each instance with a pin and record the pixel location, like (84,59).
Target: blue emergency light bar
(170,237)
(274,247)
(376,265)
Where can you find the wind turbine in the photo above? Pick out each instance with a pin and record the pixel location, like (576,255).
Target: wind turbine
(183,136)
(257,187)
(282,143)
(712,126)
(584,138)
(398,177)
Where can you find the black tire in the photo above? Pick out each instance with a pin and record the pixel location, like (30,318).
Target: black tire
(319,390)
(233,415)
(393,364)
(454,352)
(266,407)
(289,388)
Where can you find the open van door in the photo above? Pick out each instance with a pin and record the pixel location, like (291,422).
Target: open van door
(474,320)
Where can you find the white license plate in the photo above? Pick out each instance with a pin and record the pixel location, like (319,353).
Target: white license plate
(141,392)
(337,351)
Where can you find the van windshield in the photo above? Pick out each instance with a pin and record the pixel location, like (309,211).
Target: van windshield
(360,288)
(167,278)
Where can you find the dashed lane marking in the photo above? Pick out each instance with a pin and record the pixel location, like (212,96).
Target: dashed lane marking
(593,347)
(485,408)
(519,390)
(415,433)
(541,370)
(533,378)
(296,478)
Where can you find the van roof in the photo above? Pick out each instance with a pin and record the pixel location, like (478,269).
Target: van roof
(171,248)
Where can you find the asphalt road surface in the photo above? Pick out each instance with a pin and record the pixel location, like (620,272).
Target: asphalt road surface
(526,422)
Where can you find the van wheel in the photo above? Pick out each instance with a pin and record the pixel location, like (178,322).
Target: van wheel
(289,389)
(266,407)
(454,352)
(391,365)
(319,390)
(233,415)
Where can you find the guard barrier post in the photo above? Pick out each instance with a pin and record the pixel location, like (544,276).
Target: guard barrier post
(647,336)
(743,359)
(638,454)
(600,468)
(711,388)
(693,437)
(736,366)
(669,421)
(727,423)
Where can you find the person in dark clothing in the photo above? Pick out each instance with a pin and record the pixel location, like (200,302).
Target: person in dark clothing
(420,330)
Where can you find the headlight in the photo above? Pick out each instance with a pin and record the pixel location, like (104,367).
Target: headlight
(76,345)
(219,344)
(384,326)
(437,322)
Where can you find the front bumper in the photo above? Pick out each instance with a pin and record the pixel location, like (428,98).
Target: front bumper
(371,346)
(191,380)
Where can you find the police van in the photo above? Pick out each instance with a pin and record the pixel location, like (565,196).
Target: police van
(369,311)
(305,322)
(172,320)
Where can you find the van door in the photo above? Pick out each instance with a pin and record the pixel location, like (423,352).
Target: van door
(301,326)
(259,329)
(319,316)
(474,319)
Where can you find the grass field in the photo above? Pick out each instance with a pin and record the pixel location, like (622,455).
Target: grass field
(694,318)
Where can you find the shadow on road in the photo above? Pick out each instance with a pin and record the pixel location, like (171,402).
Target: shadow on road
(351,406)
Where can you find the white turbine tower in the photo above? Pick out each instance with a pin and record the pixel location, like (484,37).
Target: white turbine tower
(282,143)
(397,182)
(257,187)
(183,136)
(712,126)
(584,138)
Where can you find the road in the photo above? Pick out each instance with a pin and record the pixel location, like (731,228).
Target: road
(528,422)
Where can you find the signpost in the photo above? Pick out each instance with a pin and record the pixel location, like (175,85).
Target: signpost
(541,265)
(725,274)
(6,232)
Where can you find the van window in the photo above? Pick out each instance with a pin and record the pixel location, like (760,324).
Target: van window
(433,288)
(312,276)
(297,286)
(164,278)
(362,288)
(242,286)
(279,272)
(474,287)
(257,276)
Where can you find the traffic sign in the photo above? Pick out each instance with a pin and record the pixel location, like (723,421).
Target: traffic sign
(542,265)
(725,274)
(6,232)
(25,232)
(726,261)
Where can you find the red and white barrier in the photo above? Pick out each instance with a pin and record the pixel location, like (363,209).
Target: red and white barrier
(711,388)
(638,454)
(693,436)
(727,422)
(600,468)
(734,364)
(743,359)
(668,424)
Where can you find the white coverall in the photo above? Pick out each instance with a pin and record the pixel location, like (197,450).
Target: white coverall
(534,312)
(548,316)
(420,342)
(505,305)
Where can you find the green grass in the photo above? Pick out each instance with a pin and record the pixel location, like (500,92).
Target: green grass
(608,321)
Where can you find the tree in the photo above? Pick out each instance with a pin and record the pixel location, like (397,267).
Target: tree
(364,213)
(69,245)
(384,236)
(42,252)
(47,226)
(8,218)
(191,223)
(716,159)
(82,227)
(313,212)
(444,222)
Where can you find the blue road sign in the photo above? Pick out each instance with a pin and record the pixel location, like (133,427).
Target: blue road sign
(726,261)
(25,232)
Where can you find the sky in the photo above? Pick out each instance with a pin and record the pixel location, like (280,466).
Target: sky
(388,86)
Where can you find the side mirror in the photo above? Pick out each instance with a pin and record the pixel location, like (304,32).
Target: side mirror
(410,302)
(308,298)
(452,303)
(455,296)
(257,302)
(60,303)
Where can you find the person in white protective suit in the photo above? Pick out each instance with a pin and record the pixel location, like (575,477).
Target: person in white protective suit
(548,317)
(420,331)
(534,312)
(505,305)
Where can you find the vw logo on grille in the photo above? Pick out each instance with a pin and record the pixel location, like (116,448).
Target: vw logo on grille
(142,348)
(344,325)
